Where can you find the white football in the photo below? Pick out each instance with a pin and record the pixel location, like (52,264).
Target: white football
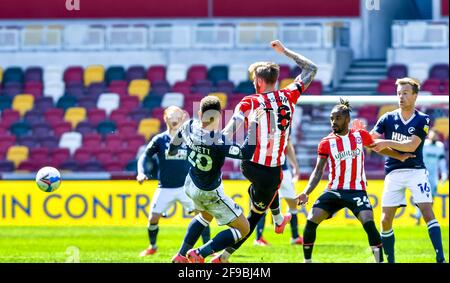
(48,179)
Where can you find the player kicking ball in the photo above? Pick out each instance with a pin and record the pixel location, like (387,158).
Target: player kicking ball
(343,150)
(170,186)
(207,149)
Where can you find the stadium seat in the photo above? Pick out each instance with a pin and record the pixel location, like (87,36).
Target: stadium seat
(66,102)
(1,75)
(203,87)
(7,140)
(431,85)
(75,89)
(441,125)
(397,71)
(95,89)
(159,88)
(95,116)
(73,74)
(172,98)
(135,73)
(119,115)
(245,87)
(197,73)
(134,142)
(113,166)
(13,74)
(60,154)
(69,165)
(418,71)
(225,86)
(74,115)
(92,140)
(33,74)
(222,97)
(149,127)
(20,128)
(285,72)
(82,155)
(28,166)
(151,101)
(43,103)
(17,154)
(127,127)
(114,141)
(139,114)
(108,102)
(156,73)
(94,74)
(387,87)
(33,88)
(71,140)
(53,74)
(91,166)
(59,128)
(106,127)
(183,87)
(12,89)
(55,90)
(115,73)
(88,102)
(28,141)
(105,155)
(9,116)
(176,72)
(218,73)
(386,108)
(54,115)
(325,74)
(439,72)
(85,127)
(139,88)
(6,166)
(39,153)
(22,103)
(41,129)
(129,103)
(238,73)
(5,102)
(125,155)
(284,83)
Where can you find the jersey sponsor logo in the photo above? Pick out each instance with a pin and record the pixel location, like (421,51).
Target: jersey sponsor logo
(399,137)
(426,128)
(411,130)
(347,154)
(234,150)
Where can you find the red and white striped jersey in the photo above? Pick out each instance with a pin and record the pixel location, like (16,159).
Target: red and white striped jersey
(273,132)
(345,156)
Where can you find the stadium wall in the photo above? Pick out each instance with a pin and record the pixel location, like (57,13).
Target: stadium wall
(126,203)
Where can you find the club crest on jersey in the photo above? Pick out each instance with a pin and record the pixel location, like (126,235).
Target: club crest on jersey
(358,140)
(411,130)
(396,126)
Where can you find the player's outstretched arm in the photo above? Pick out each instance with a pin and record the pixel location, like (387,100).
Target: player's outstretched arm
(314,180)
(395,154)
(309,69)
(406,146)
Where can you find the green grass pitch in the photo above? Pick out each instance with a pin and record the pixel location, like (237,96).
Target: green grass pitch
(334,244)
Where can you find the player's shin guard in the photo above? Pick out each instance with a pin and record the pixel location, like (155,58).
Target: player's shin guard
(294,224)
(206,235)
(194,231)
(152,230)
(388,240)
(374,240)
(277,216)
(434,231)
(220,241)
(260,227)
(309,237)
(253,218)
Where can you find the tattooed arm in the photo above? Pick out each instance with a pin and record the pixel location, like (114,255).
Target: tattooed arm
(314,180)
(309,69)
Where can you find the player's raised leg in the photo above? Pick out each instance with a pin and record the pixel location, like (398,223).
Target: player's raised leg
(260,241)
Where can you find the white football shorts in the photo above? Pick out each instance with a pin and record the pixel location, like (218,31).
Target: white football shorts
(287,189)
(164,198)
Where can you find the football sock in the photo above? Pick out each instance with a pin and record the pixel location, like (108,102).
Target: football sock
(194,231)
(206,235)
(253,218)
(277,216)
(294,224)
(309,237)
(434,231)
(374,240)
(388,240)
(220,241)
(152,230)
(260,227)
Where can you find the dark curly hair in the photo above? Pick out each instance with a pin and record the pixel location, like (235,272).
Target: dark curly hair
(344,107)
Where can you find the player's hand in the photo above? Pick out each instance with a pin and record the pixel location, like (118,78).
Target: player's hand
(379,145)
(302,199)
(406,156)
(256,115)
(357,124)
(141,177)
(278,46)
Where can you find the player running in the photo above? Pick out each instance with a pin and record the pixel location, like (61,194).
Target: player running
(286,192)
(343,150)
(170,186)
(207,150)
(404,130)
(263,170)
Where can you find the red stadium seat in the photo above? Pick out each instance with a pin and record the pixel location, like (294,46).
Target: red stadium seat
(315,88)
(119,115)
(83,154)
(285,72)
(73,74)
(196,73)
(61,127)
(9,117)
(7,140)
(134,142)
(114,141)
(113,166)
(54,116)
(183,87)
(129,102)
(105,155)
(127,127)
(60,155)
(92,140)
(387,87)
(432,85)
(156,73)
(95,116)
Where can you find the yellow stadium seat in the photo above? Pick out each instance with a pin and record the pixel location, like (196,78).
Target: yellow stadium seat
(149,127)
(285,82)
(139,88)
(74,115)
(222,97)
(94,73)
(386,108)
(23,103)
(17,154)
(441,126)
(1,74)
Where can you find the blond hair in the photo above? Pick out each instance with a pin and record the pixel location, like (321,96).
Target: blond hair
(268,71)
(409,81)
